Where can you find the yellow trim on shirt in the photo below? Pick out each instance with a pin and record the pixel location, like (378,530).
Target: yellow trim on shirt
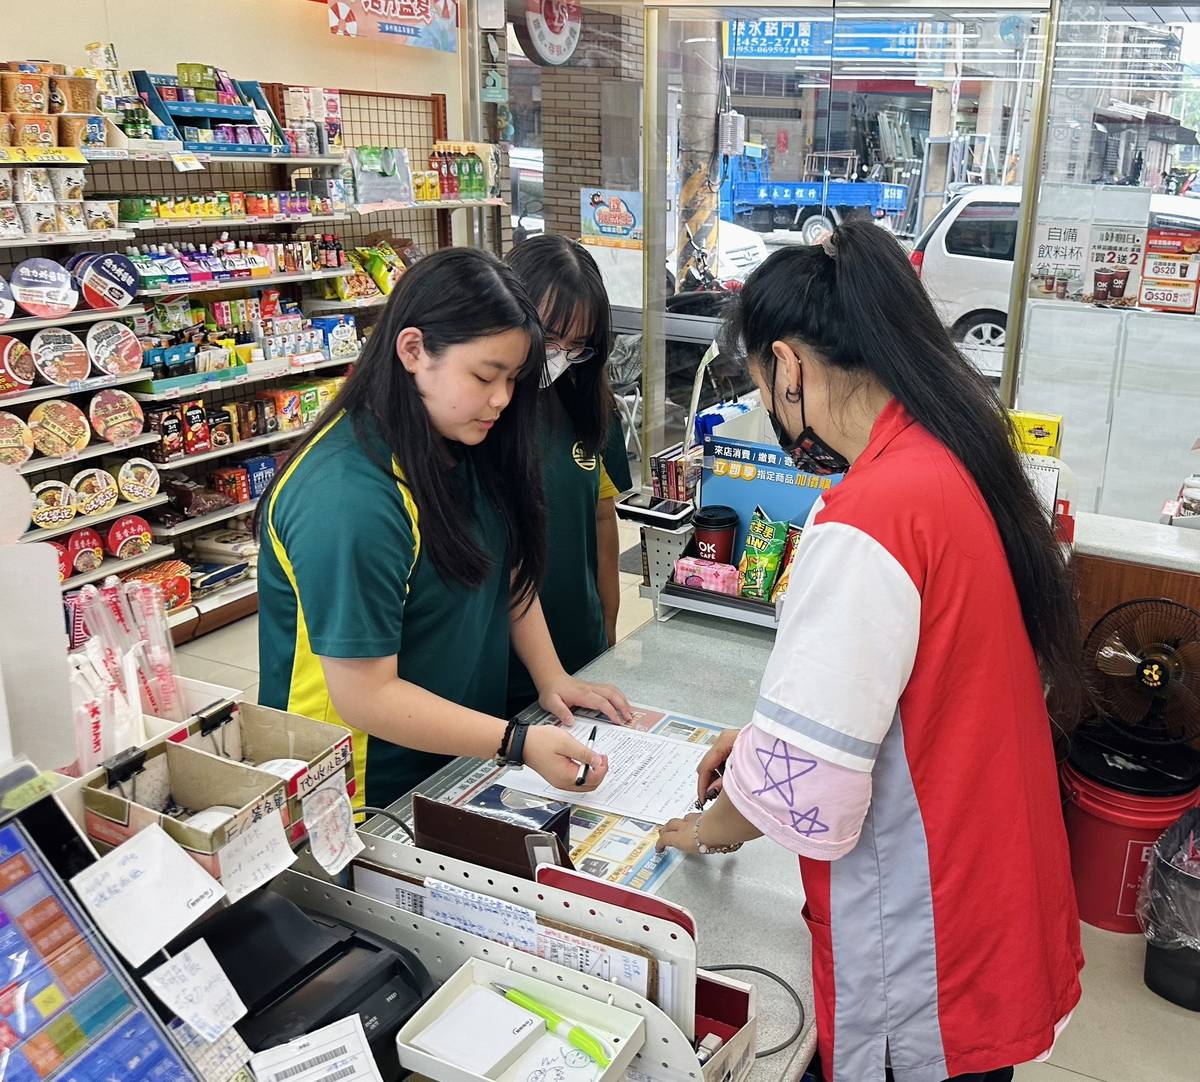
(608,490)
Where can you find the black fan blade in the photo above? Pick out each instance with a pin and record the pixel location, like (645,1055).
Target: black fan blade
(1188,657)
(1115,658)
(1182,714)
(1156,626)
(1127,699)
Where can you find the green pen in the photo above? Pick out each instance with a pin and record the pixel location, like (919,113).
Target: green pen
(575,1035)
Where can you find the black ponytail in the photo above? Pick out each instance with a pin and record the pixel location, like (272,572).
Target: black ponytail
(857,302)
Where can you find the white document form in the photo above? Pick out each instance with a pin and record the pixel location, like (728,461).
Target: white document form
(651,778)
(338,1051)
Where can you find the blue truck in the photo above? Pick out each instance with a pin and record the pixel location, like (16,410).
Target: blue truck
(749,197)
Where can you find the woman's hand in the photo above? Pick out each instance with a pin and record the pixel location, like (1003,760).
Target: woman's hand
(678,834)
(559,694)
(708,781)
(556,755)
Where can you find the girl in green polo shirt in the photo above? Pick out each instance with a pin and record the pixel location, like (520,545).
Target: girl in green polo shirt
(403,542)
(578,431)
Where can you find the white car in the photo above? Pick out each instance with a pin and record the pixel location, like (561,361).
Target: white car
(965,260)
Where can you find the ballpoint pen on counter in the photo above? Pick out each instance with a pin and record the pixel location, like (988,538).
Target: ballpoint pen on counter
(581,777)
(571,1032)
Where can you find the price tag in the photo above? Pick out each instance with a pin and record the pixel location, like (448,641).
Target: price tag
(186,162)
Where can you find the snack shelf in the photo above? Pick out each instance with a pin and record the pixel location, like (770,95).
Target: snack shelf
(155,224)
(322,304)
(232,449)
(115,567)
(165,154)
(121,508)
(208,110)
(432,204)
(190,289)
(176,393)
(200,521)
(84,315)
(218,599)
(55,390)
(276,159)
(41,465)
(92,236)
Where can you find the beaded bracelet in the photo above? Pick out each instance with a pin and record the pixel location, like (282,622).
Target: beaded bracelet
(710,850)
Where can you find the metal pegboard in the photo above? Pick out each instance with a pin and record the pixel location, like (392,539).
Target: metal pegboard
(666,1055)
(660,549)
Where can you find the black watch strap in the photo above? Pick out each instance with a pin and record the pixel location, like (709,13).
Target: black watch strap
(501,757)
(516,746)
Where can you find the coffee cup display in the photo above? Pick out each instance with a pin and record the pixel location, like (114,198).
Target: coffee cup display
(715,527)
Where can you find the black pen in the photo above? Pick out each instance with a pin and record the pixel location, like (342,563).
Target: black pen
(581,777)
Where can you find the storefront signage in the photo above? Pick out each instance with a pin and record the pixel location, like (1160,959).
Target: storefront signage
(609,218)
(549,34)
(1172,269)
(427,24)
(1114,268)
(1060,253)
(820,39)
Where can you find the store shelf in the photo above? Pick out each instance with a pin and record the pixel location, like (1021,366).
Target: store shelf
(232,449)
(191,525)
(43,240)
(42,465)
(79,523)
(226,384)
(321,304)
(54,390)
(164,154)
(439,204)
(245,283)
(207,109)
(115,567)
(164,224)
(84,315)
(276,159)
(713,604)
(218,599)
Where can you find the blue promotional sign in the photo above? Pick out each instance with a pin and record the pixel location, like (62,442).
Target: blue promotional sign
(610,218)
(820,39)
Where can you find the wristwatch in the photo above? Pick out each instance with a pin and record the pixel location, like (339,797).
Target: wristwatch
(512,745)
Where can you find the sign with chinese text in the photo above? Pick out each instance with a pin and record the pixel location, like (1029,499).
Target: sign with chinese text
(1114,268)
(610,218)
(550,32)
(1171,270)
(427,24)
(818,39)
(1061,250)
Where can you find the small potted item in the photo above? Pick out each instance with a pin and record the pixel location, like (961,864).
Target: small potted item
(60,356)
(53,504)
(60,430)
(16,440)
(116,416)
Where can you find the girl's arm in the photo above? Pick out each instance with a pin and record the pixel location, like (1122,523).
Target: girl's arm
(608,570)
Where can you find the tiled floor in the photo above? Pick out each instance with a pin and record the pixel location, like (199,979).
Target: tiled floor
(1121,1031)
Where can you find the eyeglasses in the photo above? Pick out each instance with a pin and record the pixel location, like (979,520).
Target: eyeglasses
(573,356)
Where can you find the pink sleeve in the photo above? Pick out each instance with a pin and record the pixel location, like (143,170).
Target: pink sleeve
(808,805)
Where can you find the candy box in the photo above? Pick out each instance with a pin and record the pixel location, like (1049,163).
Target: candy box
(260,470)
(232,481)
(706,575)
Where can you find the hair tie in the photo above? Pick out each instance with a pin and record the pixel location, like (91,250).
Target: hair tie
(829,246)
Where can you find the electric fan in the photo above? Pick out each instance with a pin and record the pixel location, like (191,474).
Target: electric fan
(1146,660)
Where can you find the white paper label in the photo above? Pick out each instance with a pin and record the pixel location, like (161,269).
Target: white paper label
(329,820)
(145,892)
(337,1051)
(255,856)
(186,162)
(194,986)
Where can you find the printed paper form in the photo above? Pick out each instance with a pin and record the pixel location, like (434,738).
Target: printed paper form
(338,1051)
(650,777)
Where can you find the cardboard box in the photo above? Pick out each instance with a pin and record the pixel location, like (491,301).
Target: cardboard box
(1038,433)
(255,734)
(195,780)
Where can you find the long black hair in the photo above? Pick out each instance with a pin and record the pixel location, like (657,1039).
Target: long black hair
(453,296)
(566,285)
(857,302)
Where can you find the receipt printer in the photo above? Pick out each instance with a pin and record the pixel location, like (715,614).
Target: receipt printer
(297,973)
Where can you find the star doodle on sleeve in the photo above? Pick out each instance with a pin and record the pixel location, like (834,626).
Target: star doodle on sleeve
(793,766)
(808,823)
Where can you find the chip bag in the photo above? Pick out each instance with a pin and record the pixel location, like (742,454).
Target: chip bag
(761,556)
(789,558)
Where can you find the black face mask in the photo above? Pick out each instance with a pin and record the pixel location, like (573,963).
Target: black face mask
(809,452)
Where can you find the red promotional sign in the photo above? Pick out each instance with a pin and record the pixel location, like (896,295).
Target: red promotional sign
(427,24)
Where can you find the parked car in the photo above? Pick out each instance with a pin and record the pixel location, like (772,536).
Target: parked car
(965,256)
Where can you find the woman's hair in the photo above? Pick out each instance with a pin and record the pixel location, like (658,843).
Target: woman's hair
(454,296)
(858,303)
(565,284)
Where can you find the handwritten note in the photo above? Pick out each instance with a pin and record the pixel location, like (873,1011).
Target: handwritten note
(223,1060)
(329,820)
(491,918)
(145,892)
(255,856)
(194,986)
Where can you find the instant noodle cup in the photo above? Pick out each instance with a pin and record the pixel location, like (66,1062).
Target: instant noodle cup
(6,186)
(43,288)
(82,131)
(16,441)
(33,185)
(108,281)
(138,479)
(67,184)
(60,429)
(85,550)
(16,365)
(70,218)
(59,356)
(127,537)
(7,304)
(72,94)
(64,561)
(114,348)
(95,491)
(24,92)
(101,213)
(53,504)
(10,221)
(116,416)
(38,218)
(37,67)
(33,130)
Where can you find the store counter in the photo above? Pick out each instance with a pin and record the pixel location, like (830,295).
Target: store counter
(746,905)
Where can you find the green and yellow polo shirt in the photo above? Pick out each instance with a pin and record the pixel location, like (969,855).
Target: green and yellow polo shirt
(342,574)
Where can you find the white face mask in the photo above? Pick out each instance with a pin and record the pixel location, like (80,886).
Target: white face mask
(556,365)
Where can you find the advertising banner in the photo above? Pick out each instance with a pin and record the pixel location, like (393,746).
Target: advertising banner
(427,24)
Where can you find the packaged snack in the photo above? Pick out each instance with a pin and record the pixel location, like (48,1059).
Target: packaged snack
(95,491)
(60,429)
(286,404)
(70,218)
(192,499)
(101,213)
(24,92)
(82,131)
(33,130)
(64,563)
(167,421)
(6,186)
(127,537)
(232,481)
(59,356)
(109,281)
(785,565)
(10,221)
(16,440)
(706,575)
(170,576)
(114,348)
(760,558)
(220,429)
(260,470)
(38,219)
(137,480)
(53,504)
(85,549)
(101,54)
(266,420)
(72,94)
(116,415)
(67,184)
(196,437)
(43,288)
(33,185)
(16,365)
